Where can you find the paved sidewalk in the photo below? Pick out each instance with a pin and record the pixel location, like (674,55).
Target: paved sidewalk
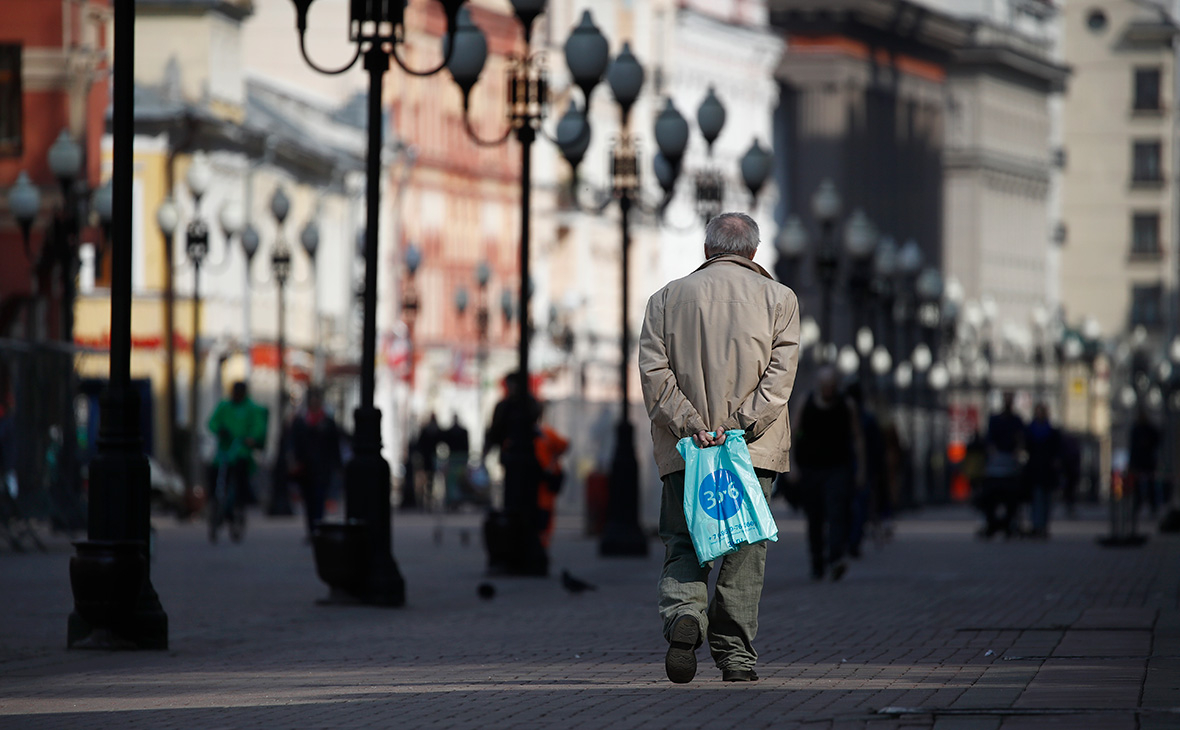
(936,629)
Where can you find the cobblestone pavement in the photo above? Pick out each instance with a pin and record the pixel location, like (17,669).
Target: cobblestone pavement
(936,629)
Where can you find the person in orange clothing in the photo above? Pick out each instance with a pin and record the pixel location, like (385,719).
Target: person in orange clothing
(550,446)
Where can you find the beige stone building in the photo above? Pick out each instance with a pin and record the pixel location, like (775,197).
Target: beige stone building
(1119,194)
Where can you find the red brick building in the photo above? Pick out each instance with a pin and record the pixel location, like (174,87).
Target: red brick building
(54,67)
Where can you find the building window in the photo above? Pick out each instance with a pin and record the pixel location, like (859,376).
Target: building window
(1147,89)
(1147,305)
(1145,162)
(10,100)
(1145,234)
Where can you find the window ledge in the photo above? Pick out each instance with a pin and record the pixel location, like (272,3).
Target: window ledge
(1145,257)
(1147,184)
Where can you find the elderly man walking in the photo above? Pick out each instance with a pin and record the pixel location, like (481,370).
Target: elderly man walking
(718,352)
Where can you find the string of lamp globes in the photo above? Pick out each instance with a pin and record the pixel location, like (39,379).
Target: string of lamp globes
(898,304)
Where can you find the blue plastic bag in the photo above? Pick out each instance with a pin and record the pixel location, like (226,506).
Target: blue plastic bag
(723,501)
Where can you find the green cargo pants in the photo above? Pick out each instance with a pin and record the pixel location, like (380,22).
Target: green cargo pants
(730,619)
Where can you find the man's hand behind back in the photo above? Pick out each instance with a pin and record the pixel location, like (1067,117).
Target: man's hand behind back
(705,439)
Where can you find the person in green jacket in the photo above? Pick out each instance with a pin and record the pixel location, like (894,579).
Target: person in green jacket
(240,427)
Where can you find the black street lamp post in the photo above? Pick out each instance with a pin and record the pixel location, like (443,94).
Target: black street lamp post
(483,274)
(929,288)
(280,267)
(883,293)
(621,534)
(198,177)
(65,161)
(860,238)
(377,28)
(791,244)
(825,207)
(586,56)
(309,238)
(115,605)
(167,219)
(410,304)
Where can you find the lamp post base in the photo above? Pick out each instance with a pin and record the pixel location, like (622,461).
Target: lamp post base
(115,605)
(622,536)
(355,559)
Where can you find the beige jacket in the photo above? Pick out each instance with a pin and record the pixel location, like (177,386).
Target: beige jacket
(718,350)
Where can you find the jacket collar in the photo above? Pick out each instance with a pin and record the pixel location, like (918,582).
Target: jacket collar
(733,258)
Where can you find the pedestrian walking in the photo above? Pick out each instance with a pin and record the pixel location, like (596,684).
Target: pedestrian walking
(1143,459)
(458,442)
(1042,468)
(428,441)
(239,424)
(831,456)
(550,446)
(1000,498)
(718,351)
(315,455)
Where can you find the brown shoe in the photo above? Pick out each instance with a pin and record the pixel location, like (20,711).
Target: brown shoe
(681,660)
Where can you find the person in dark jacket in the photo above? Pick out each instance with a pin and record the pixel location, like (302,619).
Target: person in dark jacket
(1042,469)
(830,452)
(999,500)
(315,455)
(1143,461)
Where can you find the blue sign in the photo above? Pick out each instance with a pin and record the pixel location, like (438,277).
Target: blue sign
(720,494)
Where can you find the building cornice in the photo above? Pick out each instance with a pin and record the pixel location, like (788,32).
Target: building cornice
(1039,72)
(898,19)
(1026,170)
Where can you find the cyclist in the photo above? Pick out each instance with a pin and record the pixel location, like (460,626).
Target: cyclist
(240,427)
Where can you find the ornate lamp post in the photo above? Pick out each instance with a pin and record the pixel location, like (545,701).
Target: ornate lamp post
(622,534)
(709,183)
(167,220)
(232,218)
(309,238)
(483,274)
(791,244)
(586,56)
(860,239)
(376,29)
(825,208)
(410,303)
(884,292)
(115,603)
(198,178)
(280,267)
(65,162)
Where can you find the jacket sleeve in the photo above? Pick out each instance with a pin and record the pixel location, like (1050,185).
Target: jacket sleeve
(215,420)
(666,404)
(769,398)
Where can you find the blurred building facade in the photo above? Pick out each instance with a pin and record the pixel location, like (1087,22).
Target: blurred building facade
(1120,209)
(937,119)
(196,100)
(1120,145)
(54,61)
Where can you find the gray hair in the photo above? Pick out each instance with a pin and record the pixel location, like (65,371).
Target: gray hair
(731,233)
